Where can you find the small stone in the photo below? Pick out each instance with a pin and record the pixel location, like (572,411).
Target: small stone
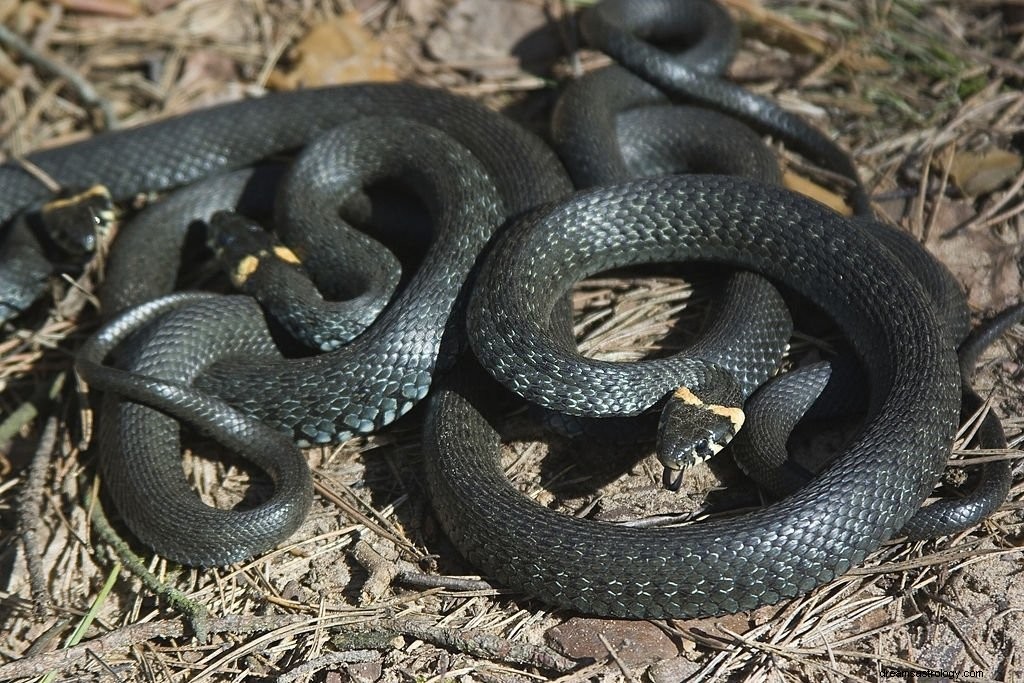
(365,672)
(636,643)
(673,670)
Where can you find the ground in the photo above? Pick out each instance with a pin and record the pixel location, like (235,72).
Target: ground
(926,96)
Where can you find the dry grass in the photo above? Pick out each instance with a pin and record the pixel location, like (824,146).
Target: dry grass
(907,85)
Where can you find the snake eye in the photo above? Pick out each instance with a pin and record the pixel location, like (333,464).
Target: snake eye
(702,448)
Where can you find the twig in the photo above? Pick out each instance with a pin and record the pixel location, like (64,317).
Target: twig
(76,637)
(27,411)
(117,641)
(29,517)
(618,660)
(382,570)
(90,97)
(409,576)
(195,613)
(329,659)
(473,642)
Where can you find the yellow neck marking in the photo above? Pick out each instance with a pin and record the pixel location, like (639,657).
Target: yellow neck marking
(734,414)
(94,192)
(688,397)
(286,254)
(245,268)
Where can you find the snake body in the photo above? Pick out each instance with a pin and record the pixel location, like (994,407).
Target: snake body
(183,150)
(779,551)
(230,374)
(783,550)
(225,348)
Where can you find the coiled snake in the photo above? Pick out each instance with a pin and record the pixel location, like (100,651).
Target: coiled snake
(492,172)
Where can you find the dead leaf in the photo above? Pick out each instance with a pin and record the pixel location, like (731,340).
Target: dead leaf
(808,188)
(978,173)
(983,259)
(495,38)
(337,51)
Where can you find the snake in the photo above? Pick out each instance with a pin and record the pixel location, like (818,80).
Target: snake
(905,334)
(780,551)
(139,451)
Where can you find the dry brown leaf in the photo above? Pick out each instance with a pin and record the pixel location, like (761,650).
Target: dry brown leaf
(337,51)
(808,188)
(495,39)
(977,173)
(983,259)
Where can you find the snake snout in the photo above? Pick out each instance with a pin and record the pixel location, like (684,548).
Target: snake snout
(75,220)
(231,236)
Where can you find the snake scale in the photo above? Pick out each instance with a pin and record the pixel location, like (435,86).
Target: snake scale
(212,361)
(779,551)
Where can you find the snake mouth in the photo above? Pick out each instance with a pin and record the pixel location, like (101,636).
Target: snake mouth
(671,479)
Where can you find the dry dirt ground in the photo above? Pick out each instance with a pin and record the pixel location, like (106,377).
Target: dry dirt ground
(926,95)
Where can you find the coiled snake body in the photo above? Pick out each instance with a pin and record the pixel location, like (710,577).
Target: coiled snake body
(225,347)
(779,551)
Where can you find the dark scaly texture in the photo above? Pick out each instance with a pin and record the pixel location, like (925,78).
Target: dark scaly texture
(992,483)
(626,30)
(779,551)
(224,345)
(610,126)
(776,408)
(594,128)
(382,373)
(24,269)
(654,139)
(185,149)
(791,546)
(145,258)
(140,442)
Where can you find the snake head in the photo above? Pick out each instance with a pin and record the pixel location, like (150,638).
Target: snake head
(692,430)
(242,246)
(74,220)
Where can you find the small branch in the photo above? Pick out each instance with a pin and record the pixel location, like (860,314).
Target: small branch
(473,642)
(408,575)
(194,612)
(328,660)
(28,411)
(127,636)
(29,517)
(82,87)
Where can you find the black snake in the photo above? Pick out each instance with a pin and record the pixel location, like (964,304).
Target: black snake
(222,345)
